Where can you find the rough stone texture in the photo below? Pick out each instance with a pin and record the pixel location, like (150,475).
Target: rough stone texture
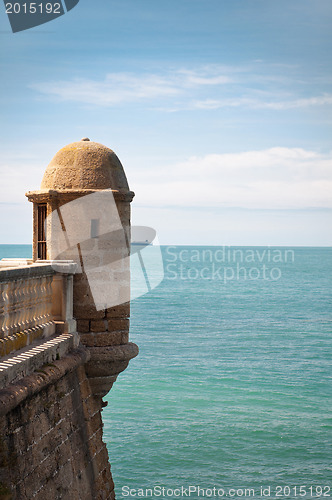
(25,361)
(120,311)
(98,325)
(83,326)
(51,436)
(85,165)
(104,339)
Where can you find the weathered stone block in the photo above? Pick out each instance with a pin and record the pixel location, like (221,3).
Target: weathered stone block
(88,339)
(115,324)
(107,338)
(120,311)
(91,260)
(85,389)
(101,457)
(90,245)
(124,212)
(83,326)
(98,325)
(124,337)
(94,424)
(87,311)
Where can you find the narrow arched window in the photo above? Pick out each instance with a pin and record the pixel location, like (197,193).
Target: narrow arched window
(41,235)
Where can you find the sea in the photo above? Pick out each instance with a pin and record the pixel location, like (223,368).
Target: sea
(231,393)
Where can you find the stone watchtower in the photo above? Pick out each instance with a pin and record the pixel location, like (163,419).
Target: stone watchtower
(82,213)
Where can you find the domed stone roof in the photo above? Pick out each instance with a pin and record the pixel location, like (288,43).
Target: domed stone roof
(85,165)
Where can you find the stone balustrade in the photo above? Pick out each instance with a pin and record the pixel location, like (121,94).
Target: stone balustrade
(35,302)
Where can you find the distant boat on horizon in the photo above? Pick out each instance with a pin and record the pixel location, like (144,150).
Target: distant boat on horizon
(142,236)
(142,243)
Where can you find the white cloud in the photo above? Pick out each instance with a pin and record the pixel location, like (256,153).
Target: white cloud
(276,178)
(192,201)
(117,88)
(323,100)
(201,77)
(114,89)
(209,87)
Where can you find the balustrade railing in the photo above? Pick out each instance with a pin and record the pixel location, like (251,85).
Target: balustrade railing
(34,303)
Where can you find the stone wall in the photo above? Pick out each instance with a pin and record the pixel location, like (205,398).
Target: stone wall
(51,436)
(51,387)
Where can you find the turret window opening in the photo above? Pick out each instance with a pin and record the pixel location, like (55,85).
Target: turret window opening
(41,228)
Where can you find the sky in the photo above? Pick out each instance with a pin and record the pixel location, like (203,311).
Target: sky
(220,112)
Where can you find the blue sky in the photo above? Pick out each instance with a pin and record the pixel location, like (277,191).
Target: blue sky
(219,110)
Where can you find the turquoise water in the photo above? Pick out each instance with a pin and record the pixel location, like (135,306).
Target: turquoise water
(232,388)
(233,384)
(15,251)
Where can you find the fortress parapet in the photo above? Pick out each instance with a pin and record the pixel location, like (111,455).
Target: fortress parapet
(36,302)
(84,200)
(64,327)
